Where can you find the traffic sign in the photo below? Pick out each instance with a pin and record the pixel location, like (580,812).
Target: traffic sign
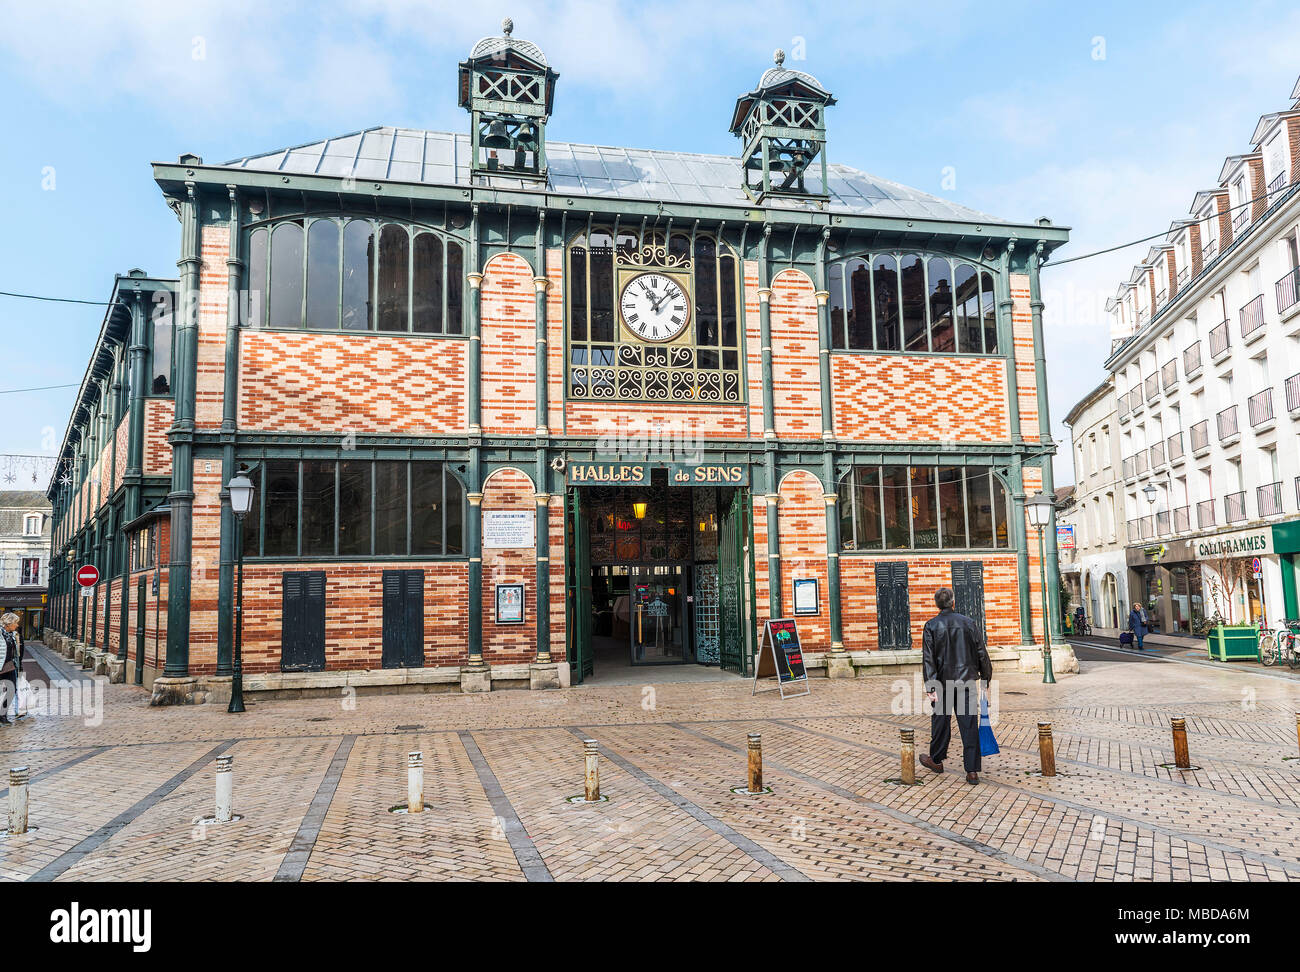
(1254,566)
(88,576)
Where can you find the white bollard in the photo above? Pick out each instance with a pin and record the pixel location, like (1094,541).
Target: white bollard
(591,770)
(414,782)
(225,788)
(18,800)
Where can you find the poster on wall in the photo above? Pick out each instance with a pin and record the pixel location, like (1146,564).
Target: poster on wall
(510,603)
(1065,536)
(806,600)
(509,529)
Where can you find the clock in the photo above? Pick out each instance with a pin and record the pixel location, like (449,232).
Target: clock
(654,307)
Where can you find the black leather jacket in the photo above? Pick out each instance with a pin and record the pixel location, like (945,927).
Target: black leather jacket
(953,649)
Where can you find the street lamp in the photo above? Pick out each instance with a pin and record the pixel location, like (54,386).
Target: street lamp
(241,501)
(1039,507)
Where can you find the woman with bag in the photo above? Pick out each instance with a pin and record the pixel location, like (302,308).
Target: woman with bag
(10,659)
(1137,622)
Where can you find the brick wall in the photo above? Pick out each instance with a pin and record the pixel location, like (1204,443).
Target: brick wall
(509,330)
(796,378)
(893,397)
(801,517)
(158,416)
(509,489)
(316,381)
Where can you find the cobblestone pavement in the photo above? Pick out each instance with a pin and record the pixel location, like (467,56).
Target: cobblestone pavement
(116,793)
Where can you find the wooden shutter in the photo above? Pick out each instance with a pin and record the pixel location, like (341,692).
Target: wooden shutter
(302,639)
(893,610)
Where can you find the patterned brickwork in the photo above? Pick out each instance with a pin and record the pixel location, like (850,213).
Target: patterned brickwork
(316,382)
(509,346)
(213,298)
(509,489)
(205,565)
(801,516)
(158,415)
(796,376)
(890,397)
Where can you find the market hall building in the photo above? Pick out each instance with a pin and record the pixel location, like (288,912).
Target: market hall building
(520,411)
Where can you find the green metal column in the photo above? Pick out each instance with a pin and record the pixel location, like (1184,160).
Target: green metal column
(132,478)
(229,400)
(474,528)
(542,570)
(541,284)
(831,495)
(1015,472)
(475,280)
(1053,581)
(769,426)
(474,545)
(181,497)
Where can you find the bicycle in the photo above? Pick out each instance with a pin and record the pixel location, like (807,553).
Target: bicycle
(1279,645)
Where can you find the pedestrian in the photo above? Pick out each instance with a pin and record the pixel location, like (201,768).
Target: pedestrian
(955,661)
(1138,623)
(10,659)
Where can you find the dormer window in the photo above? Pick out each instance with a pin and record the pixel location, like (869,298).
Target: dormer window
(32,525)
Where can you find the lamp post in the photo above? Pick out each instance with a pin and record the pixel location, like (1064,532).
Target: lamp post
(241,501)
(1039,507)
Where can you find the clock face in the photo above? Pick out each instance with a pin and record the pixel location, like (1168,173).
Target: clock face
(655,307)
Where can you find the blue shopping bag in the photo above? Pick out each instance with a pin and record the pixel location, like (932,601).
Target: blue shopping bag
(988,742)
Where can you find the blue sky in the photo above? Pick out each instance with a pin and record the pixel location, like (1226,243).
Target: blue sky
(1105,117)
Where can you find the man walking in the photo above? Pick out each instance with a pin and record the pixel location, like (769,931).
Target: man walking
(955,661)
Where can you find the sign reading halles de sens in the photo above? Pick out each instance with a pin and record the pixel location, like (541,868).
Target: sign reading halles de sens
(639,473)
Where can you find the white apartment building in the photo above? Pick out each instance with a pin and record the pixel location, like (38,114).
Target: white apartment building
(24,555)
(1206,369)
(1096,568)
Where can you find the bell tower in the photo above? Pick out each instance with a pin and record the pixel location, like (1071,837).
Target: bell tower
(781,125)
(508,89)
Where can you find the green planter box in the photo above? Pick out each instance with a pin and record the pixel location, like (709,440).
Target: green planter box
(1234,642)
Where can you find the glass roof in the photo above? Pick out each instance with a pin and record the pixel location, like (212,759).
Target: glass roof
(442,158)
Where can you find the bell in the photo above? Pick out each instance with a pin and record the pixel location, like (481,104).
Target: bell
(775,161)
(497,137)
(526,140)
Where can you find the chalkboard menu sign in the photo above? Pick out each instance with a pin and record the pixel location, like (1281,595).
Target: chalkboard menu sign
(780,655)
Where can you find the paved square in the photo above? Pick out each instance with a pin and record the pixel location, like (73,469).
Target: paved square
(315,780)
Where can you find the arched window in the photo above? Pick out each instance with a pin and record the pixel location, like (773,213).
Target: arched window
(354,275)
(942,336)
(988,301)
(966,294)
(323,274)
(286,274)
(913,301)
(607,360)
(358,274)
(858,320)
(426,286)
(394,278)
(884,289)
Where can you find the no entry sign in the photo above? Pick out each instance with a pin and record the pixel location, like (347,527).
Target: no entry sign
(88,576)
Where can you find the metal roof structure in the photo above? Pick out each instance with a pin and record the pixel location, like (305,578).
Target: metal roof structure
(442,158)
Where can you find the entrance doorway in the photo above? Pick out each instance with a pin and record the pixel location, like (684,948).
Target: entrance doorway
(654,576)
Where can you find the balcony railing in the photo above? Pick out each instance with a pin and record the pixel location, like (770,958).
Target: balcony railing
(1234,507)
(1227,422)
(1293,393)
(1205,514)
(1153,387)
(1127,468)
(1135,400)
(1183,519)
(1183,274)
(1134,533)
(1288,290)
(1143,316)
(1209,250)
(1278,184)
(1174,446)
(1123,406)
(1252,316)
(1241,220)
(1259,408)
(1201,435)
(1192,359)
(1169,373)
(1157,455)
(1160,299)
(1162,524)
(1219,339)
(1145,523)
(1269,499)
(1140,463)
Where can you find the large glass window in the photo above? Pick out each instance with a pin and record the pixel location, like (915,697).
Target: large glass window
(160,349)
(923,508)
(606,361)
(355,508)
(354,275)
(911,303)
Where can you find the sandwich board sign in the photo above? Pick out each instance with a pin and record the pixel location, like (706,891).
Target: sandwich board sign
(779,654)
